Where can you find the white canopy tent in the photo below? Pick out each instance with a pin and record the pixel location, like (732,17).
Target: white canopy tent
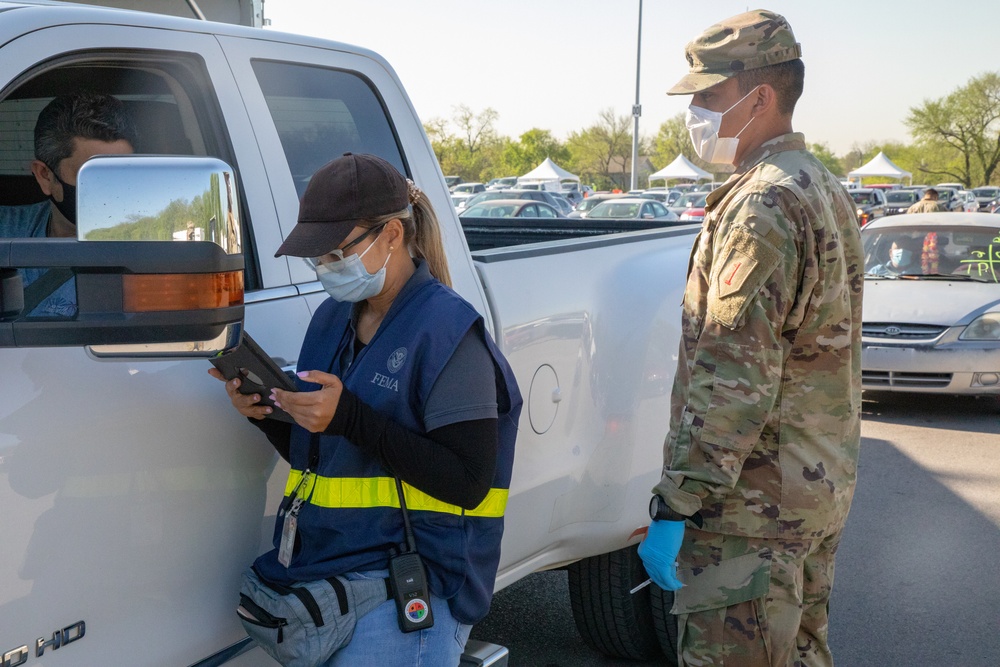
(681,168)
(880,165)
(548,171)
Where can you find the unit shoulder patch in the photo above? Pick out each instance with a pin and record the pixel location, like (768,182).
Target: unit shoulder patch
(747,259)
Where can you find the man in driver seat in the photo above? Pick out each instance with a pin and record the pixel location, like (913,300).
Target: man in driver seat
(70,130)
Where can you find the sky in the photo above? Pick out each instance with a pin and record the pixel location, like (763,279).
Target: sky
(556,64)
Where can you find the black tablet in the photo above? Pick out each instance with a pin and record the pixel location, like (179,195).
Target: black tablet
(258,371)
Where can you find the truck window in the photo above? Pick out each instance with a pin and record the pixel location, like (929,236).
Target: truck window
(321,113)
(168,96)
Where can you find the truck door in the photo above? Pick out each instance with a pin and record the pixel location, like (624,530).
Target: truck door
(132,493)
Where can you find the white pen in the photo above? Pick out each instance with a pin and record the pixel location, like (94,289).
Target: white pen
(640,586)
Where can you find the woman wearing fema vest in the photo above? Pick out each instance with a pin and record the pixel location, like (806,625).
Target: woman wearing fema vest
(401,379)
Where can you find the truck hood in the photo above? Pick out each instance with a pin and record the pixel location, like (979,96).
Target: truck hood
(940,302)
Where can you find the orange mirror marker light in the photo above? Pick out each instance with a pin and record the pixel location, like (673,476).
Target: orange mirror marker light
(145,293)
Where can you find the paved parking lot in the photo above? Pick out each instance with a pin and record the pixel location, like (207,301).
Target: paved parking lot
(918,574)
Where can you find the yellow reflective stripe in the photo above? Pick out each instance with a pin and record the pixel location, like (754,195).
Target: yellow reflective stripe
(355,492)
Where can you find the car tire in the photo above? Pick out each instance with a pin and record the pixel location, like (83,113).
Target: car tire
(665,623)
(610,619)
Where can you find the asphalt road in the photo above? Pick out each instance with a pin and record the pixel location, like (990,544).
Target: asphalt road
(918,573)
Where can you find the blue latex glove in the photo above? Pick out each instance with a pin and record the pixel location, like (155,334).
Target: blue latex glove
(659,553)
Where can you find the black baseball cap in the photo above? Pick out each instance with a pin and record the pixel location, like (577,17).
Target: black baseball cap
(340,195)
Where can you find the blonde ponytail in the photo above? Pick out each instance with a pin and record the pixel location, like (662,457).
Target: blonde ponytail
(426,240)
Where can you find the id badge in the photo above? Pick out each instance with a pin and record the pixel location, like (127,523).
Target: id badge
(288,538)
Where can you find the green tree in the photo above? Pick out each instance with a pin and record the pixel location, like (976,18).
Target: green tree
(826,156)
(531,148)
(597,150)
(471,147)
(968,121)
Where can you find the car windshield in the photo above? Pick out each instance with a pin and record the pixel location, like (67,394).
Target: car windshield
(986,192)
(901,197)
(965,252)
(614,209)
(862,197)
(692,199)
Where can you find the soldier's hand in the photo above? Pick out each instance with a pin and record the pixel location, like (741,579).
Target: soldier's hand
(659,553)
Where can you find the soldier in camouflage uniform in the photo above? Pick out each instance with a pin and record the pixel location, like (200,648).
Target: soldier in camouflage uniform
(929,203)
(761,458)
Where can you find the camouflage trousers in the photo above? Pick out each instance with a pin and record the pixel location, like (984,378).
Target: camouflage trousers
(752,602)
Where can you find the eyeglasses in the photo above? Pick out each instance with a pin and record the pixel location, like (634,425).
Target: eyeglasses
(337,254)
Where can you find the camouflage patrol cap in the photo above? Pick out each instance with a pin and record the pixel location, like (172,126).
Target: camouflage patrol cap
(745,41)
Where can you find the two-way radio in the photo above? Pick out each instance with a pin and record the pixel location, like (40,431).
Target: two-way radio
(409,580)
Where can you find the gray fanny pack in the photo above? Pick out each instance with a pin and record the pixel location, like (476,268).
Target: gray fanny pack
(303,624)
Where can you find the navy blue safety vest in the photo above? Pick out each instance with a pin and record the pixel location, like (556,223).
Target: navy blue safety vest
(352,519)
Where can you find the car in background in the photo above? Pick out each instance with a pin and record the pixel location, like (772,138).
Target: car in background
(534,195)
(468,189)
(665,197)
(934,327)
(885,187)
(459,201)
(953,186)
(632,208)
(948,198)
(510,208)
(690,206)
(582,210)
(452,181)
(572,192)
(503,183)
(986,195)
(969,202)
(869,204)
(564,205)
(897,201)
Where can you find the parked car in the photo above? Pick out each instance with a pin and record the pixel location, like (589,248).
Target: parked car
(452,181)
(503,183)
(934,327)
(665,197)
(969,202)
(948,198)
(564,205)
(897,201)
(468,189)
(572,192)
(535,195)
(510,208)
(953,186)
(985,196)
(582,210)
(459,201)
(885,187)
(695,201)
(632,208)
(870,204)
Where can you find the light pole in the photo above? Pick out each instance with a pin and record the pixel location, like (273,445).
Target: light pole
(636,108)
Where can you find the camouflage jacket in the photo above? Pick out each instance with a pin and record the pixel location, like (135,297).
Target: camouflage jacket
(926,206)
(765,421)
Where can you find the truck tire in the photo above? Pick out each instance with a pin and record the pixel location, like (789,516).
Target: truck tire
(610,619)
(664,622)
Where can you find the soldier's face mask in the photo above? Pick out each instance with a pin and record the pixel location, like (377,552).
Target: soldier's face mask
(703,126)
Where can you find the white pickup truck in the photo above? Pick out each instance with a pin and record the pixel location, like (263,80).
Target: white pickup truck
(131,494)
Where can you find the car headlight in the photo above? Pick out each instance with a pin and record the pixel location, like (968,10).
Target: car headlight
(984,327)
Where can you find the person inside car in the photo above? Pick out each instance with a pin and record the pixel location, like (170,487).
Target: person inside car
(904,257)
(70,130)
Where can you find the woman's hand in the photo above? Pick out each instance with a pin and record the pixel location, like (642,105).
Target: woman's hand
(246,404)
(312,410)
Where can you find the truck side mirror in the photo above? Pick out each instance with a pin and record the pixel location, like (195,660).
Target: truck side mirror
(157,262)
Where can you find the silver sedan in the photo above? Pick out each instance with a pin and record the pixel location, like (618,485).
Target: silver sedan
(932,304)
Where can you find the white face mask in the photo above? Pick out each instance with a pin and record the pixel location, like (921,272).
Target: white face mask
(348,279)
(901,256)
(703,126)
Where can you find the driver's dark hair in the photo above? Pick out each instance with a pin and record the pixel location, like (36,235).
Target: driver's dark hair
(786,78)
(84,115)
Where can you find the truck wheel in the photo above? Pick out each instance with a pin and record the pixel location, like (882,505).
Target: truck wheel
(665,622)
(610,619)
